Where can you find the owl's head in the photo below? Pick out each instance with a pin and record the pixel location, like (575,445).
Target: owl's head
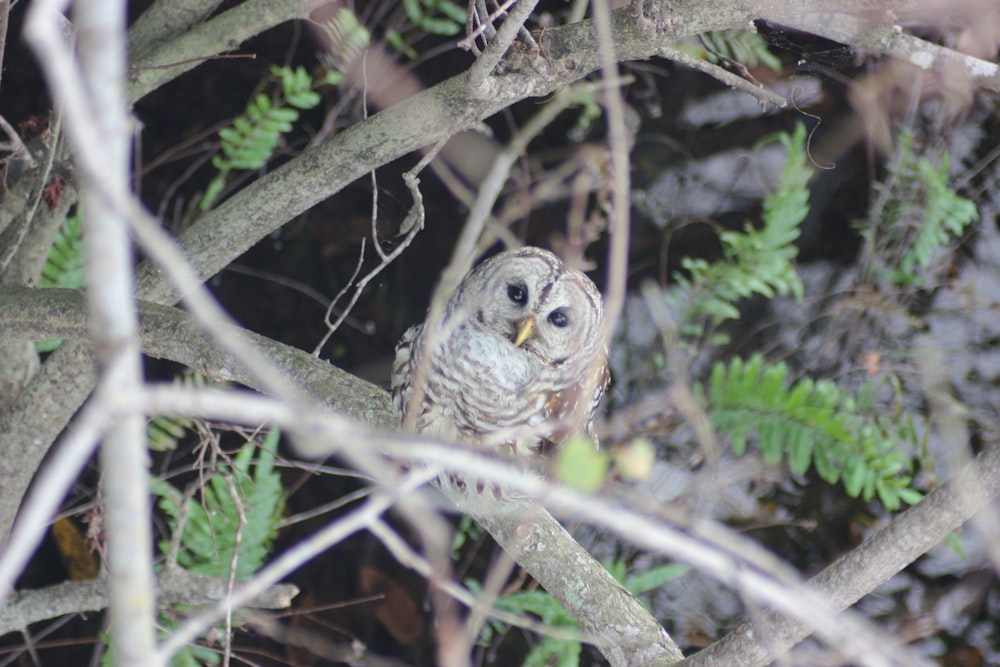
(531,298)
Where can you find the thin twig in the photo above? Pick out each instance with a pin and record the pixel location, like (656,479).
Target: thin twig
(411,226)
(485,20)
(764,95)
(16,146)
(333,326)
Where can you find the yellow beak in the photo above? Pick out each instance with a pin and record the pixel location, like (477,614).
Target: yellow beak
(525,330)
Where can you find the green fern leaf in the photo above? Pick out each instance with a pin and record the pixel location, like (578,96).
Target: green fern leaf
(809,423)
(210,531)
(756,261)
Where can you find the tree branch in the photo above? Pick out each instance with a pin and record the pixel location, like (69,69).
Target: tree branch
(867,566)
(168,333)
(173,586)
(173,57)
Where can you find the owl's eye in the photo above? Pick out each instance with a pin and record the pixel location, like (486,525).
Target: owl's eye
(558,319)
(517,294)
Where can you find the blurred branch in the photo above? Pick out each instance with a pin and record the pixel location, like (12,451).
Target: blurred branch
(92,96)
(859,572)
(543,549)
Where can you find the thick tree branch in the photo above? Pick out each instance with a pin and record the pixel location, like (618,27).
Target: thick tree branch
(617,622)
(864,568)
(168,333)
(173,586)
(173,57)
(164,20)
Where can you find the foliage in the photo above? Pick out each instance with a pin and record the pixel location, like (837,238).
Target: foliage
(347,40)
(467,531)
(240,506)
(438,17)
(249,143)
(435,17)
(64,266)
(239,509)
(755,261)
(581,465)
(165,431)
(590,112)
(549,651)
(742,46)
(916,214)
(811,423)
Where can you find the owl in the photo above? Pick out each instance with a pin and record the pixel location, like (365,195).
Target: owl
(516,364)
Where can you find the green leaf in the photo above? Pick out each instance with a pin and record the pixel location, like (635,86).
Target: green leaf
(910,496)
(812,423)
(210,532)
(854,477)
(580,465)
(643,582)
(397,42)
(65,266)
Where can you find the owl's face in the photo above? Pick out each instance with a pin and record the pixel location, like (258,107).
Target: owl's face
(530,298)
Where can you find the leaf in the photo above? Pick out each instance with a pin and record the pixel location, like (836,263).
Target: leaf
(580,465)
(209,537)
(643,582)
(813,423)
(635,460)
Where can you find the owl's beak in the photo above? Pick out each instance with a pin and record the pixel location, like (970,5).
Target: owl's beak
(525,330)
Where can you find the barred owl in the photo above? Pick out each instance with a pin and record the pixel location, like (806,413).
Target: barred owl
(516,364)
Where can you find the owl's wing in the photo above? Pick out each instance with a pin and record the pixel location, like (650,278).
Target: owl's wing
(565,406)
(403,366)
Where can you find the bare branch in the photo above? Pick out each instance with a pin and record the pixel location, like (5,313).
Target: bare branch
(764,95)
(225,32)
(173,585)
(99,113)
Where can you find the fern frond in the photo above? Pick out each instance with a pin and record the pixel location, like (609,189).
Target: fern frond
(437,17)
(755,261)
(348,39)
(165,431)
(250,141)
(65,264)
(749,49)
(917,214)
(212,524)
(810,423)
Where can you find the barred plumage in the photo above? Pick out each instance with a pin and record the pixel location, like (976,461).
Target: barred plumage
(518,343)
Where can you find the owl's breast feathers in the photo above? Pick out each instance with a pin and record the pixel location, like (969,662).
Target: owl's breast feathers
(479,385)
